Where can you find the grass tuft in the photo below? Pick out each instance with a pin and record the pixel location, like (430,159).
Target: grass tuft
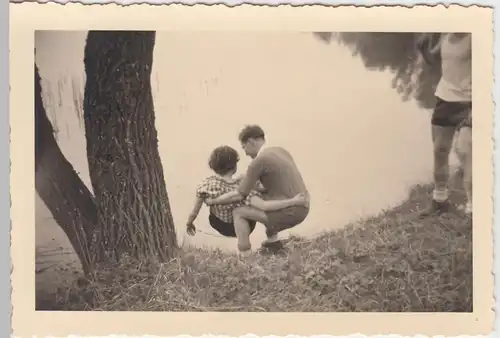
(392,262)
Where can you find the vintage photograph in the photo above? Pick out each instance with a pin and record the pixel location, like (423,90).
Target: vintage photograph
(209,171)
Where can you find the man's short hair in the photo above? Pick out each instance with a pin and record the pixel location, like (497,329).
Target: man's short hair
(251,131)
(223,159)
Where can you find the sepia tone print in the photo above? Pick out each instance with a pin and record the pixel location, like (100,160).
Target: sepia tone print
(253,217)
(229,169)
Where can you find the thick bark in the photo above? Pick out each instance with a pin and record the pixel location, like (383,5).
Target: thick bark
(59,186)
(122,146)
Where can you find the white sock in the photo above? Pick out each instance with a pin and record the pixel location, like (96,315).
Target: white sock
(245,253)
(440,195)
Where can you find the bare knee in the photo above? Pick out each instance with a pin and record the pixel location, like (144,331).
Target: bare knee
(442,149)
(237,212)
(443,140)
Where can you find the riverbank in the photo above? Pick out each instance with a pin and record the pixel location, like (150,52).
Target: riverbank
(391,262)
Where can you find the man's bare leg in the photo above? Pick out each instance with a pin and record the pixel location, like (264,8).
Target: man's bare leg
(442,138)
(241,217)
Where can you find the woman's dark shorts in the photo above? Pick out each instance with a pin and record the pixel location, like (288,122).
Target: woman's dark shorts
(224,228)
(452,114)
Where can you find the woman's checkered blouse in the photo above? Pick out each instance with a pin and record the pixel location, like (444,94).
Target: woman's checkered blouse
(213,187)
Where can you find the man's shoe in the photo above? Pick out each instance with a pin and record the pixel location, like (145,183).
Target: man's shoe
(273,245)
(271,238)
(435,208)
(272,248)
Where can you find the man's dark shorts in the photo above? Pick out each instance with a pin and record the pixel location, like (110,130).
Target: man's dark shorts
(452,114)
(224,228)
(287,218)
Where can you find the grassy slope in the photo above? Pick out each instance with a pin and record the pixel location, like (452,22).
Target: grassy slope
(391,262)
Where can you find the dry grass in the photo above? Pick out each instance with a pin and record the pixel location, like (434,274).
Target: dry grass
(391,262)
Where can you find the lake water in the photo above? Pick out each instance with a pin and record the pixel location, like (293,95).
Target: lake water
(359,147)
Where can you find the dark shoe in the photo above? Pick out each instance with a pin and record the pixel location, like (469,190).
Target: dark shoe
(272,248)
(277,245)
(270,233)
(435,208)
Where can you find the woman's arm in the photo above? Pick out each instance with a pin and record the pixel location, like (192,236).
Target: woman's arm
(227,198)
(272,205)
(198,203)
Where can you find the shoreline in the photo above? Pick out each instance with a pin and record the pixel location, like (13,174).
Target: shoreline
(388,262)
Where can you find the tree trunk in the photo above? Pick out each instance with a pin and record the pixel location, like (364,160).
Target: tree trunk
(122,146)
(59,186)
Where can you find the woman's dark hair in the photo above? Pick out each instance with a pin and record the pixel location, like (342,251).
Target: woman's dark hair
(252,131)
(223,160)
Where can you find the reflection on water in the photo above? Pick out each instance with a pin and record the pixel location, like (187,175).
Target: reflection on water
(359,147)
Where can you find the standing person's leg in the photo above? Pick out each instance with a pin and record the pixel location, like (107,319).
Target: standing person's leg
(442,141)
(443,132)
(446,118)
(464,152)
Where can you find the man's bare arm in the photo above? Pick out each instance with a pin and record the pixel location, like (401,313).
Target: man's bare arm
(252,176)
(258,186)
(273,205)
(227,198)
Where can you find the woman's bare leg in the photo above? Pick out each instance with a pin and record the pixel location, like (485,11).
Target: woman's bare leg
(464,152)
